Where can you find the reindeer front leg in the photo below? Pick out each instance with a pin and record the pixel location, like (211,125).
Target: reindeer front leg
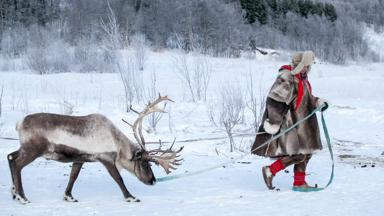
(111,167)
(76,167)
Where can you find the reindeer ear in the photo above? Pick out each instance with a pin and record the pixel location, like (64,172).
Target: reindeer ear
(137,155)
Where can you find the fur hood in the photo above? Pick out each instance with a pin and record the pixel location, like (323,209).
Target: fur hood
(302,59)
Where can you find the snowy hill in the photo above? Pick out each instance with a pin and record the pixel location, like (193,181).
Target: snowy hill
(355,120)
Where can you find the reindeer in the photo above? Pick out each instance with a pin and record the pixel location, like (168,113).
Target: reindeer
(91,138)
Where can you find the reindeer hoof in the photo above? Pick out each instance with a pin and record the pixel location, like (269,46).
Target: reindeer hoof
(22,200)
(132,199)
(13,192)
(70,198)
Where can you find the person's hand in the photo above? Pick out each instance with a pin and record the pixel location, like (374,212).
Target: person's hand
(320,102)
(271,128)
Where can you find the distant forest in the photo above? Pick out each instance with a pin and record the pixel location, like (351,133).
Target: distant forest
(85,32)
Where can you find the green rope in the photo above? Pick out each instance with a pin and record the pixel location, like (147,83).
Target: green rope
(333,163)
(173,177)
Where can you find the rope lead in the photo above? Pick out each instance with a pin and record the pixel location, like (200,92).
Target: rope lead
(197,172)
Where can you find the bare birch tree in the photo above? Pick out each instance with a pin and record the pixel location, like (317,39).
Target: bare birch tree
(139,46)
(125,63)
(37,61)
(110,35)
(255,101)
(202,76)
(195,74)
(229,110)
(1,99)
(152,93)
(131,78)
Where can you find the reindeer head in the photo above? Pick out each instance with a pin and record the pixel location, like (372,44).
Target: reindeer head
(142,158)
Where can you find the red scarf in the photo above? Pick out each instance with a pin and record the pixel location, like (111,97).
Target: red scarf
(300,86)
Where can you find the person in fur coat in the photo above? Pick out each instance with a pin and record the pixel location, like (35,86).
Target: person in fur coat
(289,100)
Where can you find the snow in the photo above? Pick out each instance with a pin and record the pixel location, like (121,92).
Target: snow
(355,120)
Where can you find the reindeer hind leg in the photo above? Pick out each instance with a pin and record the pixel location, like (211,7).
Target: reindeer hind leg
(76,167)
(24,157)
(11,157)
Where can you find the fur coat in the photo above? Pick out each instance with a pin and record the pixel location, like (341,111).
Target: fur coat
(289,100)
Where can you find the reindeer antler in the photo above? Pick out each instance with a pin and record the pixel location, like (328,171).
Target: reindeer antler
(168,158)
(137,126)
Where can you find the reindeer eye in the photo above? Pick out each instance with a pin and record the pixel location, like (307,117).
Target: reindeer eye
(137,156)
(145,164)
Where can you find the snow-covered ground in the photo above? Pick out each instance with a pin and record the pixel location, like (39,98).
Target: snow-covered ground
(355,120)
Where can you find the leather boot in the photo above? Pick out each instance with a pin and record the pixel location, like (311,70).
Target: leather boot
(305,185)
(268,177)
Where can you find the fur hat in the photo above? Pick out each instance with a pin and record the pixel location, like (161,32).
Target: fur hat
(302,59)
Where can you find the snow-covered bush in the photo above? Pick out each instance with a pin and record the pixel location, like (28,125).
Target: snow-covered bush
(152,94)
(58,56)
(91,58)
(13,41)
(228,110)
(53,58)
(1,99)
(255,100)
(195,72)
(131,78)
(139,46)
(37,61)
